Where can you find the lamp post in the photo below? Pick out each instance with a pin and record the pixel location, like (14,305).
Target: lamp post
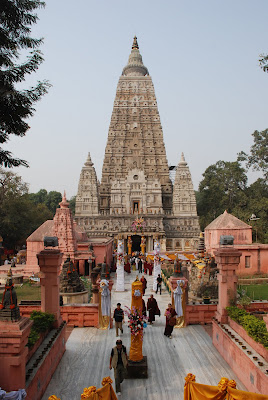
(254,218)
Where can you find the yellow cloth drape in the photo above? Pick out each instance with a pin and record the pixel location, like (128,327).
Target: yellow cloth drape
(226,389)
(198,391)
(180,321)
(104,393)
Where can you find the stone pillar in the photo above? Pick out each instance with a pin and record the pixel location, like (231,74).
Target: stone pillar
(13,353)
(227,260)
(49,261)
(95,290)
(120,273)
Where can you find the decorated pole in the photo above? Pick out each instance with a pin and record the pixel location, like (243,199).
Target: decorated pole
(120,281)
(157,263)
(135,353)
(143,244)
(129,245)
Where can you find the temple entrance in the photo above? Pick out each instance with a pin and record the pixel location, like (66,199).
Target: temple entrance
(136,243)
(86,268)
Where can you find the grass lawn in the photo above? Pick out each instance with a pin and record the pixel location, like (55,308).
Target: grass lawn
(256,292)
(28,292)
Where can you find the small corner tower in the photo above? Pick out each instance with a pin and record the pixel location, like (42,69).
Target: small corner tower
(87,200)
(184,202)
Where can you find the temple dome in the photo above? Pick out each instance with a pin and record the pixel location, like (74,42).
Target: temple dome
(135,65)
(227,221)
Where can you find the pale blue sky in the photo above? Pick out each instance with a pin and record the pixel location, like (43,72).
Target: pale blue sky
(203,60)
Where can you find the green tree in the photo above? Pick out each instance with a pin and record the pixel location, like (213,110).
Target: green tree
(19,215)
(257,204)
(264,62)
(50,199)
(258,157)
(16,20)
(222,188)
(72,204)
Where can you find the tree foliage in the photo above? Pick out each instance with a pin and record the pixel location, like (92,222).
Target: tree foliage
(50,199)
(16,20)
(216,194)
(258,157)
(19,215)
(221,188)
(264,62)
(72,204)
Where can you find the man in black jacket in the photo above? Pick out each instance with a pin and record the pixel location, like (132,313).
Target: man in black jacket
(118,317)
(159,284)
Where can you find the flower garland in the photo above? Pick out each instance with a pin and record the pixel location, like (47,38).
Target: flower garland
(120,258)
(138,225)
(136,321)
(156,258)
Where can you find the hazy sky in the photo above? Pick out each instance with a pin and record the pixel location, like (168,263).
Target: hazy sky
(203,60)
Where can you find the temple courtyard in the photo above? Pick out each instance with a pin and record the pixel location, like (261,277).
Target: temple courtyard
(86,360)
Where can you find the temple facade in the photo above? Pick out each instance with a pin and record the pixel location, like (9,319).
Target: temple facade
(135,180)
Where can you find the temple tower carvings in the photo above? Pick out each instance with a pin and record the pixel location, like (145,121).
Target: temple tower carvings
(135,175)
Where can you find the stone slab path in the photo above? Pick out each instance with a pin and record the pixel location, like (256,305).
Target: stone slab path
(86,360)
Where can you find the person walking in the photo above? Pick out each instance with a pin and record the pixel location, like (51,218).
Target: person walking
(159,284)
(136,264)
(170,315)
(118,317)
(140,266)
(152,308)
(119,362)
(144,284)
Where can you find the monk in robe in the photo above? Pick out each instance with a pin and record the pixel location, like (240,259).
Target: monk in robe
(170,314)
(127,267)
(144,284)
(150,267)
(144,308)
(152,308)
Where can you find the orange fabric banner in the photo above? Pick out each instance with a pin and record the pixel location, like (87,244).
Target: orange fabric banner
(226,389)
(104,393)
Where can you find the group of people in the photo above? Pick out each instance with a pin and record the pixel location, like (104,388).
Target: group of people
(119,357)
(138,263)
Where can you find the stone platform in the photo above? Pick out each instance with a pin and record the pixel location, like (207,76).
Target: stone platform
(137,370)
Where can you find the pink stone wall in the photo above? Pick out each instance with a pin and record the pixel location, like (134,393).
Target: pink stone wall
(247,372)
(34,248)
(241,236)
(102,250)
(200,313)
(258,258)
(81,316)
(36,387)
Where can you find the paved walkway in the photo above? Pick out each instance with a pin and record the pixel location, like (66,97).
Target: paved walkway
(86,360)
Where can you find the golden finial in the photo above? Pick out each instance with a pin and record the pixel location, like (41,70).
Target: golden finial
(135,43)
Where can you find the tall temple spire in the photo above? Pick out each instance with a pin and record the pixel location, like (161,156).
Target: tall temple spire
(135,65)
(135,43)
(135,173)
